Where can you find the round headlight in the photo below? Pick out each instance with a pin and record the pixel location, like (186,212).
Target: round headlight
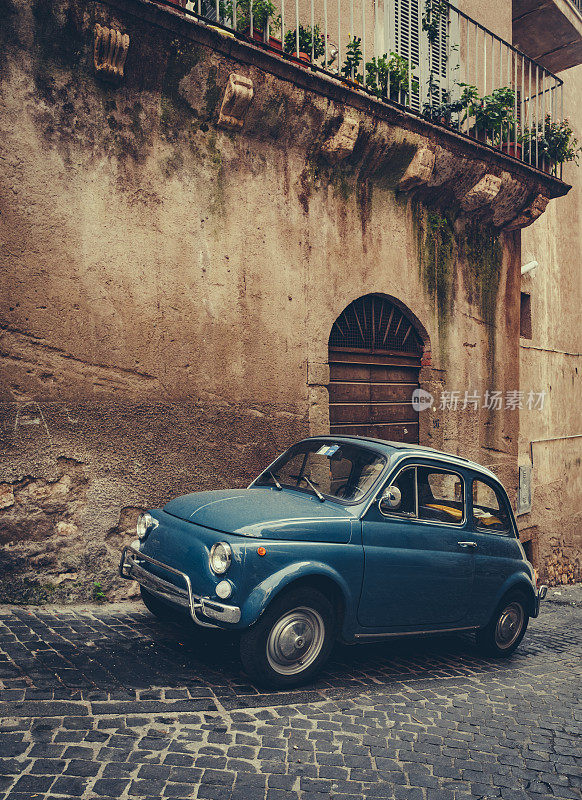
(223,589)
(145,523)
(220,557)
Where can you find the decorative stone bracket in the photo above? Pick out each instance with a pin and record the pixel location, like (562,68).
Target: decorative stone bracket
(419,170)
(237,98)
(509,203)
(482,193)
(109,52)
(341,144)
(530,213)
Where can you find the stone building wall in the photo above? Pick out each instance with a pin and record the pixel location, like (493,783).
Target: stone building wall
(551,361)
(169,285)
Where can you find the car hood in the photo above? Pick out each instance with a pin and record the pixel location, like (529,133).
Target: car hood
(265,513)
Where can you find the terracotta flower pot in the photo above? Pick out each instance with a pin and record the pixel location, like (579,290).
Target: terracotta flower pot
(302,58)
(259,36)
(511,149)
(349,82)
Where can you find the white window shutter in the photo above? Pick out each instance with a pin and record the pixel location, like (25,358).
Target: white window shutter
(439,59)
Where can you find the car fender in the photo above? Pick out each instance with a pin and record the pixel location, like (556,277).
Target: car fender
(264,592)
(519,580)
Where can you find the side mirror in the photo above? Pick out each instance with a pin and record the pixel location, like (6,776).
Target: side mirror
(390,500)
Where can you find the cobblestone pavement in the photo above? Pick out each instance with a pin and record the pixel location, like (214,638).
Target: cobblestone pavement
(107,703)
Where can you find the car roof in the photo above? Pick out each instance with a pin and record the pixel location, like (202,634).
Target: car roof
(403,449)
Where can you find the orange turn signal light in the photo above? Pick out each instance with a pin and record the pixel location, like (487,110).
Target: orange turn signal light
(261,551)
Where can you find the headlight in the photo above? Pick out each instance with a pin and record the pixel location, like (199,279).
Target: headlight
(145,523)
(223,589)
(220,557)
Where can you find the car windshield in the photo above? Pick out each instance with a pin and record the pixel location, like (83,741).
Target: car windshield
(337,470)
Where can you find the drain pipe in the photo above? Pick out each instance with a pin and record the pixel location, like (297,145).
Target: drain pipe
(551,439)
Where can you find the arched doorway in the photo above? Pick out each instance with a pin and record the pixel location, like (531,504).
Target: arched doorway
(374,361)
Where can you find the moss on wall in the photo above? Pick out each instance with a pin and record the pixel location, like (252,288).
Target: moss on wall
(483,260)
(175,112)
(483,256)
(437,254)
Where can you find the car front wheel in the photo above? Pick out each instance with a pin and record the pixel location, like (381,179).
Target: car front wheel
(506,628)
(292,639)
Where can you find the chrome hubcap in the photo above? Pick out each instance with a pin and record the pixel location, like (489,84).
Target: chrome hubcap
(295,641)
(509,625)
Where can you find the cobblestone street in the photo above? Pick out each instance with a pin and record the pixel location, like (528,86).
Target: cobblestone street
(105,702)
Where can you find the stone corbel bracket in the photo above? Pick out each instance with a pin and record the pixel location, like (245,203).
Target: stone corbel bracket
(236,101)
(339,146)
(419,171)
(529,214)
(109,52)
(483,193)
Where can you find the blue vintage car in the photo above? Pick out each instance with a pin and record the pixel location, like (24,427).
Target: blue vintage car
(340,538)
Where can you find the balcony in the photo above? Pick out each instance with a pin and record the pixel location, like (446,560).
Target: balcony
(549,31)
(424,56)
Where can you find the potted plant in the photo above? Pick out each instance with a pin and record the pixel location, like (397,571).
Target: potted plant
(492,116)
(551,144)
(389,76)
(309,40)
(265,16)
(352,63)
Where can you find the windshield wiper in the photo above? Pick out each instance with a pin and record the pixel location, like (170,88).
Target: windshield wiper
(275,481)
(317,492)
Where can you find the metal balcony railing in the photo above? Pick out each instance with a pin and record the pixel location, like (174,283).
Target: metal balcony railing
(424,55)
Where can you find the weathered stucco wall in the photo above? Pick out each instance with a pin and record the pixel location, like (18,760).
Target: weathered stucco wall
(169,287)
(552,362)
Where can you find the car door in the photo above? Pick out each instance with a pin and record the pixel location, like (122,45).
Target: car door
(498,554)
(418,567)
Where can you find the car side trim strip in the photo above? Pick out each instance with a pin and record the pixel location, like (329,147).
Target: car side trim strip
(413,633)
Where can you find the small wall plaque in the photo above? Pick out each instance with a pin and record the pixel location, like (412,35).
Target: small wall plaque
(524,490)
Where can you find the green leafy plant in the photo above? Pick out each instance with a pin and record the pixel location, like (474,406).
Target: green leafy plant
(306,36)
(98,594)
(443,112)
(553,142)
(389,75)
(434,12)
(264,13)
(353,59)
(494,114)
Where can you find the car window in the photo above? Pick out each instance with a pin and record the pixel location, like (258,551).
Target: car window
(339,470)
(489,510)
(405,482)
(440,496)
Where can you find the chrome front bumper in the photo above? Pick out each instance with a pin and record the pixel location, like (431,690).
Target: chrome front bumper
(131,567)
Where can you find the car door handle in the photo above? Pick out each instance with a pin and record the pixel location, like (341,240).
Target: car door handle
(472,545)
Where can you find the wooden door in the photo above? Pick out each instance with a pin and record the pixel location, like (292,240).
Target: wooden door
(371,385)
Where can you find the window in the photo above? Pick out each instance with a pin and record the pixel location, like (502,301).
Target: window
(406,484)
(489,510)
(429,494)
(338,470)
(440,496)
(525,316)
(435,62)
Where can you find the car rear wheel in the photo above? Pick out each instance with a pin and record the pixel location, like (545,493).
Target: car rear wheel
(507,627)
(291,641)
